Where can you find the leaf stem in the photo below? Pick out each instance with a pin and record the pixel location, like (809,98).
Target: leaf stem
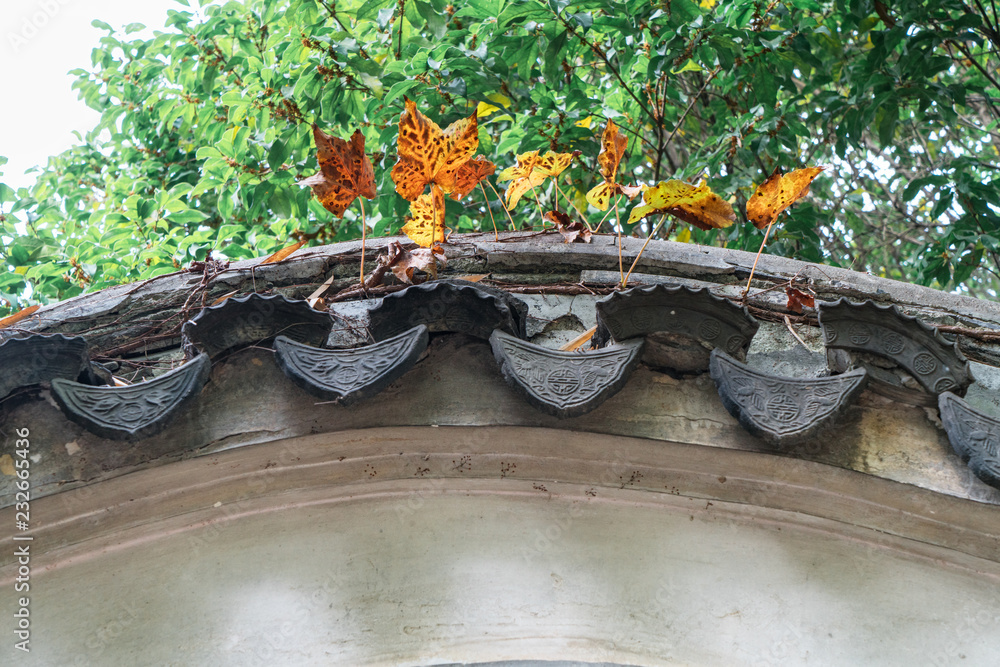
(648,238)
(570,204)
(754,267)
(496,234)
(621,268)
(364,230)
(539,205)
(513,225)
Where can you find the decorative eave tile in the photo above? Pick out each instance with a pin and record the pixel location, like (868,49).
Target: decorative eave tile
(973,435)
(449,305)
(350,375)
(919,349)
(136,411)
(677,312)
(782,410)
(564,384)
(41,358)
(253,319)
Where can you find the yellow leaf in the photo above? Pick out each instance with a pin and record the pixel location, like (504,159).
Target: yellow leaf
(427,224)
(600,195)
(612,149)
(531,170)
(707,4)
(684,236)
(698,206)
(585,122)
(7,464)
(484,109)
(500,99)
(778,193)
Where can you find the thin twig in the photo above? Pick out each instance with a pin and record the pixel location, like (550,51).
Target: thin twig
(788,324)
(496,234)
(513,225)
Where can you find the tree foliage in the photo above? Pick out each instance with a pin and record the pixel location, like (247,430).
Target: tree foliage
(206,128)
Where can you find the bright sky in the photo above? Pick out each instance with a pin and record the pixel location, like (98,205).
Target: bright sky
(40,41)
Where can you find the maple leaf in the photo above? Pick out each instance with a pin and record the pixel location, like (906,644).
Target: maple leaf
(426,226)
(570,230)
(612,149)
(778,193)
(429,155)
(698,206)
(470,174)
(531,170)
(345,171)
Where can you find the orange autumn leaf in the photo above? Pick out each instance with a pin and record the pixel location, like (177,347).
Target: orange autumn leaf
(429,155)
(612,149)
(778,193)
(11,320)
(531,170)
(470,174)
(284,253)
(698,206)
(426,226)
(345,171)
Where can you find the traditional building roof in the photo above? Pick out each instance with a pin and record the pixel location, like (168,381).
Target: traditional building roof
(871,416)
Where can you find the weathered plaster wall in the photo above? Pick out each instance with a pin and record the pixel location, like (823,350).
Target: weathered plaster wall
(427,545)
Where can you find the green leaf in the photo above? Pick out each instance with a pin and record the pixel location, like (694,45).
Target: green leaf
(186,216)
(277,155)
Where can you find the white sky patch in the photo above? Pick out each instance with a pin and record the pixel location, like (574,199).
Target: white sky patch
(40,41)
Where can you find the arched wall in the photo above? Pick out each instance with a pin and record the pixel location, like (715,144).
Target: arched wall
(424,545)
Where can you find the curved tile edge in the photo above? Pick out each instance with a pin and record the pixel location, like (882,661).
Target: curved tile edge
(918,348)
(783,410)
(449,305)
(28,360)
(135,411)
(711,320)
(564,384)
(351,374)
(974,436)
(250,319)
